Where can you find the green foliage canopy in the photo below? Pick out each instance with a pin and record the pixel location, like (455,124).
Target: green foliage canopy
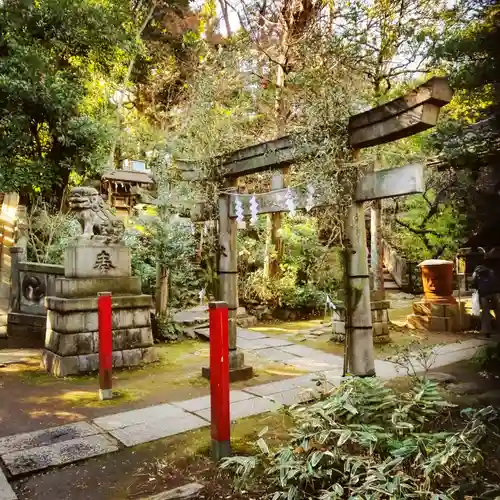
(53,55)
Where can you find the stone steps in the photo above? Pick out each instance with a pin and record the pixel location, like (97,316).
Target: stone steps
(389,283)
(196,320)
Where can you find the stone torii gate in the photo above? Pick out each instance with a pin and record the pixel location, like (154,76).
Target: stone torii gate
(416,111)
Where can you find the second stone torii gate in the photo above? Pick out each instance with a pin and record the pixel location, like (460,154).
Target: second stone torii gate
(376,185)
(416,111)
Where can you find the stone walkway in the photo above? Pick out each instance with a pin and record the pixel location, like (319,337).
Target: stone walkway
(17,356)
(288,353)
(35,451)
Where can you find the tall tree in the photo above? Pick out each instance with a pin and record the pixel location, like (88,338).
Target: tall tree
(54,55)
(469,52)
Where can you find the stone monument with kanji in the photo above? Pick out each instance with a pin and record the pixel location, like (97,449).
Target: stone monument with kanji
(96,261)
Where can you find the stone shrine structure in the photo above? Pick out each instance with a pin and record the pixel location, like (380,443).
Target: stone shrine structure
(439,310)
(96,261)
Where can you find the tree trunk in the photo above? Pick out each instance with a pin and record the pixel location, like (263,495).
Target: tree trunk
(274,243)
(274,246)
(162,290)
(225,16)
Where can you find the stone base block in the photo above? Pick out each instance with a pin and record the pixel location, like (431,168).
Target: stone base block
(72,339)
(338,327)
(432,323)
(236,359)
(235,374)
(72,344)
(25,331)
(92,258)
(80,315)
(381,333)
(425,308)
(246,321)
(380,321)
(90,287)
(63,366)
(438,317)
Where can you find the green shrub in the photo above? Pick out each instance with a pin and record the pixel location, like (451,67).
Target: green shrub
(363,440)
(172,244)
(308,269)
(49,231)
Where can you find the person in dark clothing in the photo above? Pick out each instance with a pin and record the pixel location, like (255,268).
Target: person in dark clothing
(488,287)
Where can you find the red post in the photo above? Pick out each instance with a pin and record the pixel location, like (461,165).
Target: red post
(219,379)
(105,345)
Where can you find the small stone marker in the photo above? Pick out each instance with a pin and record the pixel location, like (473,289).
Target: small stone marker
(190,490)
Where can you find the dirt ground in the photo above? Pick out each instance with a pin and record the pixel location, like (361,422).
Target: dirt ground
(148,469)
(152,468)
(31,399)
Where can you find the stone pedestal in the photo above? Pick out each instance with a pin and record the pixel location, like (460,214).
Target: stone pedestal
(438,317)
(71,335)
(439,310)
(380,320)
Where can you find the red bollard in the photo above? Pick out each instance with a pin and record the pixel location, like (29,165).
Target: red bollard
(105,345)
(219,379)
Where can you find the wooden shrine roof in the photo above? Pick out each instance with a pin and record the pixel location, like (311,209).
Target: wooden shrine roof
(128,176)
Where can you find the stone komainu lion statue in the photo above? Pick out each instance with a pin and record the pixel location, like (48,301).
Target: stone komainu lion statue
(95,218)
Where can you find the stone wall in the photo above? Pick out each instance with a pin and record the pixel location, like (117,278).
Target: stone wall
(380,321)
(31,282)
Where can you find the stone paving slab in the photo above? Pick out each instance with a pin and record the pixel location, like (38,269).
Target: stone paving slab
(247,408)
(445,355)
(386,369)
(153,429)
(460,346)
(304,381)
(18,442)
(308,352)
(6,492)
(262,343)
(250,335)
(292,397)
(13,356)
(191,316)
(133,417)
(449,358)
(310,365)
(275,354)
(203,402)
(23,461)
(311,380)
(187,491)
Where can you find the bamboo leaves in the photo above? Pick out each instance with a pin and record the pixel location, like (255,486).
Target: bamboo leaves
(365,441)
